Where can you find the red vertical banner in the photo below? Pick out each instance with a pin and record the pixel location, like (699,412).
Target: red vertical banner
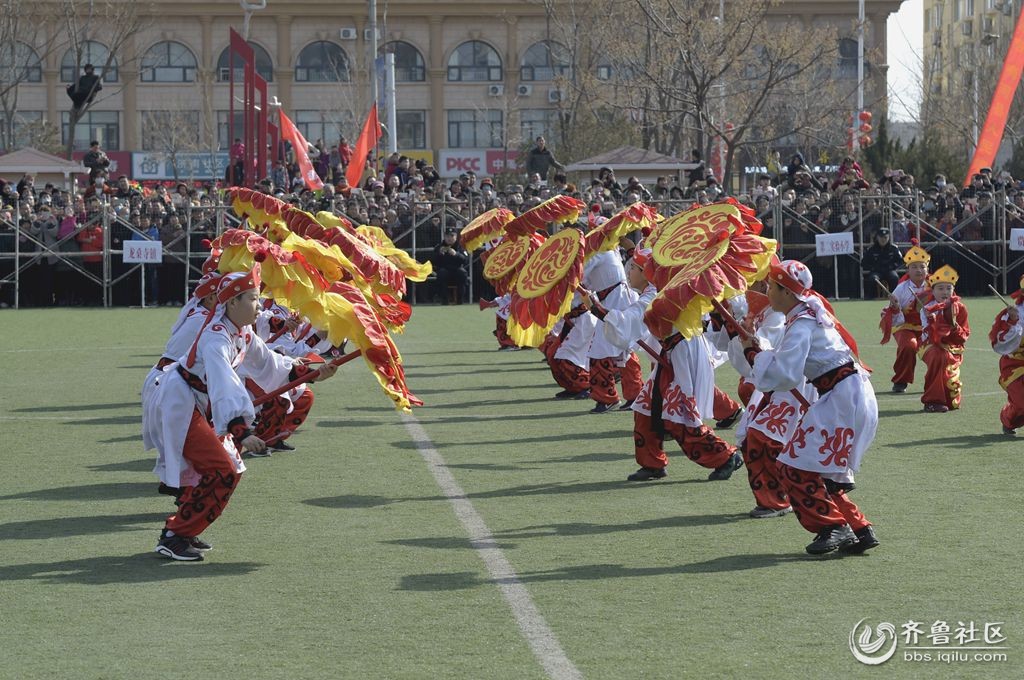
(291,134)
(368,139)
(991,135)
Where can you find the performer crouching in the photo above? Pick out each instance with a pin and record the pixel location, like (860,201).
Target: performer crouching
(819,461)
(199,415)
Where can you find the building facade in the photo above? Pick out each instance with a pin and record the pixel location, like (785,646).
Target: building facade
(470,75)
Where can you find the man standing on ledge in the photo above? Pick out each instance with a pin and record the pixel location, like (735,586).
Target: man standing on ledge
(540,160)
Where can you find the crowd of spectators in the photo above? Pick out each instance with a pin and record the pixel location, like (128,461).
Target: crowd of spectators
(795,204)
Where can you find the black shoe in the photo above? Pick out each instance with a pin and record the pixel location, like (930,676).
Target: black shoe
(566,394)
(585,394)
(729,421)
(627,405)
(282,446)
(177,548)
(604,408)
(168,490)
(866,540)
(834,537)
(761,512)
(899,388)
(265,453)
(1009,432)
(724,471)
(199,544)
(645,474)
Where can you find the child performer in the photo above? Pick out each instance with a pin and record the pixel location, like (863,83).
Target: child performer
(674,401)
(770,419)
(902,317)
(502,308)
(567,355)
(199,415)
(819,461)
(604,281)
(944,332)
(1007,338)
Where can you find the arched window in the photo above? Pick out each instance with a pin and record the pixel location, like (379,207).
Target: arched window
(92,52)
(322,62)
(848,59)
(546,60)
(409,66)
(474,61)
(19,63)
(264,64)
(168,62)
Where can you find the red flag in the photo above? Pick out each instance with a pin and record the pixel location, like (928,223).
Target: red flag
(368,139)
(301,147)
(999,110)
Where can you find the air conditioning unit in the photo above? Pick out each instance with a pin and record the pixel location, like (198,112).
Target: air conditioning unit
(348,34)
(367,35)
(556,95)
(967,27)
(524,90)
(495,90)
(937,40)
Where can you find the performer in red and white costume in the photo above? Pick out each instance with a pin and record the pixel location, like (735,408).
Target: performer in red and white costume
(902,317)
(944,330)
(568,354)
(199,415)
(674,401)
(826,448)
(1007,338)
(770,419)
(604,282)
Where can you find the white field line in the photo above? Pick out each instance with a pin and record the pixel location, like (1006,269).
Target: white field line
(538,634)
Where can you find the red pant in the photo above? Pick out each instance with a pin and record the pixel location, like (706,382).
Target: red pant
(203,503)
(569,376)
(501,332)
(276,424)
(814,506)
(602,380)
(723,406)
(549,347)
(942,379)
(1012,415)
(700,444)
(632,377)
(906,356)
(760,454)
(745,391)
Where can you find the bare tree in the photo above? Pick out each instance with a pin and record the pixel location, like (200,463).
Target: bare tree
(682,75)
(171,133)
(110,23)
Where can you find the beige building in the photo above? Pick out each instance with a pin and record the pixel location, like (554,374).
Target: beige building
(471,75)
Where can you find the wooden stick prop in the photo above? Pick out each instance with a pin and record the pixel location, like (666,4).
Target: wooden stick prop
(1009,305)
(298,381)
(656,355)
(742,332)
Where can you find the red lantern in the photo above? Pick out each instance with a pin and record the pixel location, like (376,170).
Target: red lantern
(866,127)
(865,140)
(865,116)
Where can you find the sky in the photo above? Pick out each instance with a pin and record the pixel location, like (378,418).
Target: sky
(906,33)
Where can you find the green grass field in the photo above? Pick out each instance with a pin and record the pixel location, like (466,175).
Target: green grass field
(346,560)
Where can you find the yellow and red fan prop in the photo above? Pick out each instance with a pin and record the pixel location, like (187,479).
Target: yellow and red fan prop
(378,239)
(485,227)
(544,289)
(344,312)
(504,263)
(555,209)
(287,276)
(710,252)
(638,216)
(258,208)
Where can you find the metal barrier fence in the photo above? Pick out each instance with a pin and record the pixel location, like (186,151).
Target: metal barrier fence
(86,266)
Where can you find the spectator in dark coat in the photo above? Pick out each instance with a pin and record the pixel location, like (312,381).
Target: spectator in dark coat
(880,263)
(451,264)
(540,160)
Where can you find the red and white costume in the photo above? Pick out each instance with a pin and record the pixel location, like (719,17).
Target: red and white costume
(906,327)
(1008,341)
(826,447)
(568,356)
(605,276)
(199,411)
